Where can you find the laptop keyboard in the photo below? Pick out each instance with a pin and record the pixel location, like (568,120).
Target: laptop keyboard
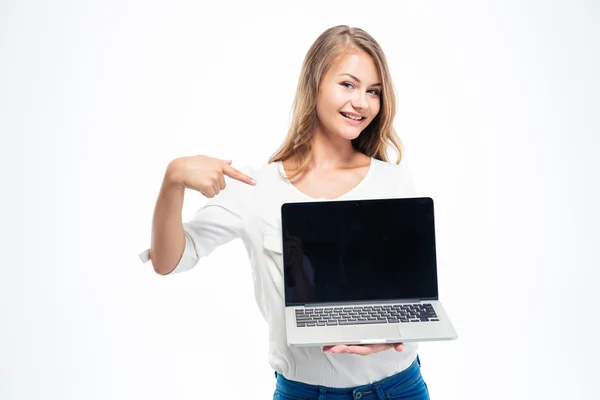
(359,315)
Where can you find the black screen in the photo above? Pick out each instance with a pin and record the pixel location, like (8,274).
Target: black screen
(361,250)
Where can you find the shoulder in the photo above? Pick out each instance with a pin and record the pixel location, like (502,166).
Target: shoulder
(396,175)
(264,170)
(387,169)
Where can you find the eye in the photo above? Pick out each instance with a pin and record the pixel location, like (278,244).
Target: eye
(376,92)
(347,85)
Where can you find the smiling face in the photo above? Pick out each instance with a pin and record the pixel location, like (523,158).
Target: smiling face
(349,96)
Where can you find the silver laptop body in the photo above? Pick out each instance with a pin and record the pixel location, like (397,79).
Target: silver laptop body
(361,271)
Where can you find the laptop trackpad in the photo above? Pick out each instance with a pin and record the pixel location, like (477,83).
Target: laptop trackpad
(376,333)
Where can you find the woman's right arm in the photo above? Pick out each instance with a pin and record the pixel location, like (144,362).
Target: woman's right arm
(168,237)
(200,173)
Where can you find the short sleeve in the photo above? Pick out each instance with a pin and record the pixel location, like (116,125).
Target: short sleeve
(219,221)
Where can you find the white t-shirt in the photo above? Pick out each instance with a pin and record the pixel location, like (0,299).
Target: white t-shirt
(253,213)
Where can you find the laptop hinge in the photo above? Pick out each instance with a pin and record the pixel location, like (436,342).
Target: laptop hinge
(358,303)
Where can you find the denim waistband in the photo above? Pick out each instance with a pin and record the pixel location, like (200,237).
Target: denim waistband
(402,378)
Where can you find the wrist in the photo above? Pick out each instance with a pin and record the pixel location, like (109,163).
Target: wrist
(172,177)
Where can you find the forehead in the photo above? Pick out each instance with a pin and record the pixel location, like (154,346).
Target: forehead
(357,63)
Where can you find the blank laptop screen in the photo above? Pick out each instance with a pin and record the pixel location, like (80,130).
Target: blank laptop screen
(354,251)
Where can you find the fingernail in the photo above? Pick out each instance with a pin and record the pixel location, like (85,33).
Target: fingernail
(253,181)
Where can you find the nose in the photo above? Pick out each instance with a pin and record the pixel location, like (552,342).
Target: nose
(360,101)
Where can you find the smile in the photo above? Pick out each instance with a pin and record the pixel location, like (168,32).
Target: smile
(352,117)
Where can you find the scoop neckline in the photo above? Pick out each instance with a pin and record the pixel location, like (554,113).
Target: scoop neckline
(349,192)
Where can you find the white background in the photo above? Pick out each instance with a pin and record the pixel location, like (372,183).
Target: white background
(498,108)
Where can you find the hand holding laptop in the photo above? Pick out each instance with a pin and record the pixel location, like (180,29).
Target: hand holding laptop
(363,349)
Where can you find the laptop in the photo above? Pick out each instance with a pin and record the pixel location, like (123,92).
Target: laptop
(361,271)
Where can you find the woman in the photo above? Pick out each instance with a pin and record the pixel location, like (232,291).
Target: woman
(336,148)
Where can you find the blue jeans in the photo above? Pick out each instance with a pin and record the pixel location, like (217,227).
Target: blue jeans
(405,385)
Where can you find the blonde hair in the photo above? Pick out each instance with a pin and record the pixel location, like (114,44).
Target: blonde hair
(375,138)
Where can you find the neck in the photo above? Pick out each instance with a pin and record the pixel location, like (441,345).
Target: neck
(328,152)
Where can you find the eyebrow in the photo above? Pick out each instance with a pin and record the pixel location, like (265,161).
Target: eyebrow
(358,80)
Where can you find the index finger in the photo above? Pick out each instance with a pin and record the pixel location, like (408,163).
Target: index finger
(238,175)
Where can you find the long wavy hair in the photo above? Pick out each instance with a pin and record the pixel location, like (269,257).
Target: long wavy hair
(375,139)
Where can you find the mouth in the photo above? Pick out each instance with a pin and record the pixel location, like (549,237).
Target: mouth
(352,117)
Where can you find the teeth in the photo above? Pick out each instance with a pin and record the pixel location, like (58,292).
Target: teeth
(352,117)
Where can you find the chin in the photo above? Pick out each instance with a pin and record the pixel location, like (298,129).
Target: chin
(344,132)
(349,135)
